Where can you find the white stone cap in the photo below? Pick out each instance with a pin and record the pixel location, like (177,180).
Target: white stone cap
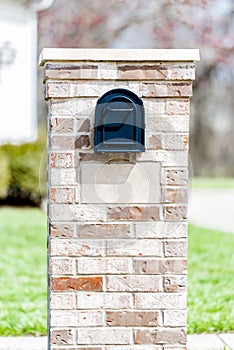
(134,55)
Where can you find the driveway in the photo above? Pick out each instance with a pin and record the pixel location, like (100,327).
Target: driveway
(212,208)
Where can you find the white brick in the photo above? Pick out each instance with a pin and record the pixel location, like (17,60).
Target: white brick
(104,300)
(164,123)
(62,301)
(74,247)
(160,301)
(146,247)
(175,318)
(63,266)
(162,230)
(70,212)
(76,318)
(60,177)
(168,158)
(104,336)
(134,283)
(104,265)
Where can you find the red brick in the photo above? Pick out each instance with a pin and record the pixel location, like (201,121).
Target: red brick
(133,213)
(76,283)
(61,160)
(154,336)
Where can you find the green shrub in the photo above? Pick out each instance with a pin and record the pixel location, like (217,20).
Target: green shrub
(27,171)
(5,175)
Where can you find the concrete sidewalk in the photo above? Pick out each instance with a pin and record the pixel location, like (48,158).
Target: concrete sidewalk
(195,342)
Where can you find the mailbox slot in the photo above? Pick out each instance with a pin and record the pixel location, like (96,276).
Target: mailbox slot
(119,122)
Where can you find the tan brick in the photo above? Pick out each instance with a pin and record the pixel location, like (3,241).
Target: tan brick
(134,283)
(65,143)
(128,247)
(161,229)
(62,230)
(70,212)
(104,231)
(74,247)
(82,142)
(142,72)
(62,107)
(174,195)
(132,318)
(175,213)
(154,336)
(62,336)
(76,283)
(176,248)
(62,160)
(133,213)
(177,107)
(167,123)
(78,348)
(182,72)
(175,283)
(62,195)
(176,142)
(71,71)
(104,265)
(62,125)
(89,300)
(158,301)
(154,106)
(155,142)
(175,318)
(168,158)
(134,347)
(107,70)
(175,347)
(62,266)
(82,125)
(162,266)
(62,301)
(104,336)
(174,176)
(177,89)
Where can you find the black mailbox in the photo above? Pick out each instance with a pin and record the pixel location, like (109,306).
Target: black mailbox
(119,122)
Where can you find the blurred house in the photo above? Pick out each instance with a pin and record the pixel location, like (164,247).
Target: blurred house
(18,69)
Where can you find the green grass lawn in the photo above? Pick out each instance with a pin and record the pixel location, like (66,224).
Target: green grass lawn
(22,271)
(211,281)
(23,276)
(212,182)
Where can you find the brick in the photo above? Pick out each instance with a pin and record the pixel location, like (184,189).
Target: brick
(161,230)
(62,107)
(174,195)
(75,318)
(177,89)
(62,125)
(175,213)
(89,300)
(61,230)
(63,177)
(175,318)
(62,160)
(155,142)
(144,247)
(174,176)
(104,336)
(62,195)
(62,301)
(168,142)
(164,123)
(74,247)
(62,143)
(182,72)
(133,213)
(71,71)
(134,283)
(70,212)
(62,266)
(175,284)
(154,106)
(155,336)
(104,265)
(162,266)
(82,142)
(142,72)
(135,347)
(168,158)
(62,336)
(105,231)
(104,157)
(176,248)
(82,125)
(107,70)
(158,301)
(76,283)
(178,107)
(77,348)
(132,318)
(174,347)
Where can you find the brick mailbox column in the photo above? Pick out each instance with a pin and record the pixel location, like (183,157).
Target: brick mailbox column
(117,221)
